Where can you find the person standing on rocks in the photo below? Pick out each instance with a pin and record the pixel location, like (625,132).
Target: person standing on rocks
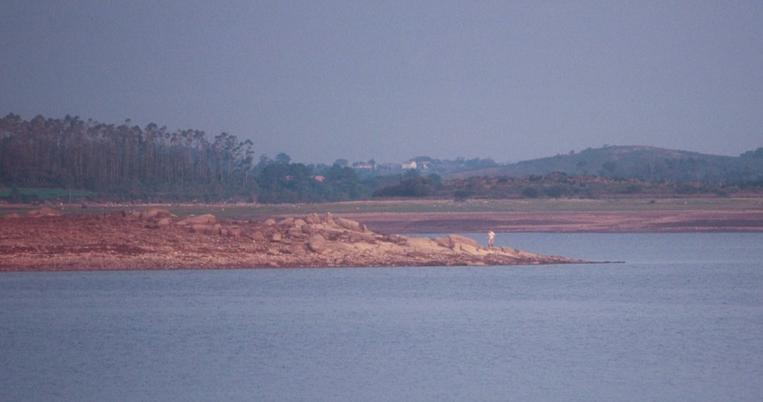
(490,239)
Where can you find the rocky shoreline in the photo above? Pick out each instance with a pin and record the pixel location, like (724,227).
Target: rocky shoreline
(45,240)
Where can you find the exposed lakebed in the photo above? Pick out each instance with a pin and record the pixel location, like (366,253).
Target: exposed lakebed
(156,239)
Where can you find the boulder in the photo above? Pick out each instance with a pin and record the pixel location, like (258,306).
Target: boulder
(206,219)
(443,241)
(206,228)
(156,213)
(313,219)
(44,211)
(269,222)
(458,239)
(258,237)
(349,224)
(295,232)
(298,223)
(396,239)
(453,240)
(362,237)
(164,222)
(316,243)
(276,237)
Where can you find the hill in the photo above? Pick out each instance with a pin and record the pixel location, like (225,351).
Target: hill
(645,163)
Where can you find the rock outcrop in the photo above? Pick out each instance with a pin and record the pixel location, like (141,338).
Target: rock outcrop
(43,212)
(155,238)
(206,219)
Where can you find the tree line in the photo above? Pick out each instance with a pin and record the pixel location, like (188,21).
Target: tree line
(152,163)
(124,160)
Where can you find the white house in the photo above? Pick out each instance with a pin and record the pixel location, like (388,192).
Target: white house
(408,165)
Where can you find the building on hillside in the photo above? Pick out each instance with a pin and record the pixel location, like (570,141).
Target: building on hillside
(410,165)
(370,165)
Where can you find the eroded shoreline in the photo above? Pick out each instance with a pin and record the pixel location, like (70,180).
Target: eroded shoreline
(155,239)
(630,215)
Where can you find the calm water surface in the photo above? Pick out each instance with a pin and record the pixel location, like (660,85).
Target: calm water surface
(681,320)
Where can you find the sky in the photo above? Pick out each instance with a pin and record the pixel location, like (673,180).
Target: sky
(389,80)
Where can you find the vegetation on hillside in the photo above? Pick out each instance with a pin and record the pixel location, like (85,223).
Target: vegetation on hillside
(644,163)
(560,185)
(70,159)
(81,159)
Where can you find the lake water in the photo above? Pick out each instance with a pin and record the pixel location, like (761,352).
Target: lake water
(682,319)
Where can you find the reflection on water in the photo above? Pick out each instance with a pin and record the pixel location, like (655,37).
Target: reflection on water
(680,320)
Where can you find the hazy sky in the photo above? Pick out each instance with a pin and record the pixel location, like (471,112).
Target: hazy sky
(389,80)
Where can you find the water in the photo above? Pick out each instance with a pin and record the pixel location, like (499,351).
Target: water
(681,320)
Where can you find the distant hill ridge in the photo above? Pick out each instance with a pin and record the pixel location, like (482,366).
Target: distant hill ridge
(638,161)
